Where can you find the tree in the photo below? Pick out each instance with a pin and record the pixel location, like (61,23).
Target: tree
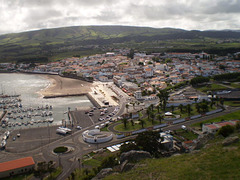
(124,120)
(197,107)
(148,112)
(132,122)
(127,106)
(149,141)
(128,147)
(181,108)
(189,109)
(160,118)
(142,122)
(158,108)
(152,117)
(163,96)
(226,130)
(152,106)
(172,108)
(221,100)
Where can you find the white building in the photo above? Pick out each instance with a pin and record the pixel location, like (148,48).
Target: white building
(214,127)
(138,95)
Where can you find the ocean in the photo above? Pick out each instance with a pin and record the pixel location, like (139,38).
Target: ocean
(28,87)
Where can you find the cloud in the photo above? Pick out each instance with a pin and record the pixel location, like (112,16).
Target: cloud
(23,15)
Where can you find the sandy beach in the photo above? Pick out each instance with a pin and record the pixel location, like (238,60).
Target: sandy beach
(63,86)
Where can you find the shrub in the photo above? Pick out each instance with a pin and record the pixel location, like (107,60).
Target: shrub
(226,130)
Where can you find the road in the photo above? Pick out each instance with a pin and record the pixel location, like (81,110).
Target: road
(69,161)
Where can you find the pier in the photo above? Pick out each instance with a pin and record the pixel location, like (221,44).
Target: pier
(64,95)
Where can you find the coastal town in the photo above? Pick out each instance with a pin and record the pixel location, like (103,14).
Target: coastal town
(141,72)
(131,93)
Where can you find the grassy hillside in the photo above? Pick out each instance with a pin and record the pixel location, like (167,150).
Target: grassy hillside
(82,40)
(213,162)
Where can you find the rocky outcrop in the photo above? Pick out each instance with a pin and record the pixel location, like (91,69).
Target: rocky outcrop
(202,140)
(133,156)
(126,166)
(230,140)
(103,173)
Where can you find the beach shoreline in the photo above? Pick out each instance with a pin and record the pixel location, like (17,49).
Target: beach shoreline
(64,86)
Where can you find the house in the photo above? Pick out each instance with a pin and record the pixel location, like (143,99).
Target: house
(17,166)
(214,127)
(138,95)
(148,72)
(166,140)
(103,78)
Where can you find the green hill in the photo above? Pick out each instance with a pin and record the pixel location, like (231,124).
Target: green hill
(85,40)
(212,162)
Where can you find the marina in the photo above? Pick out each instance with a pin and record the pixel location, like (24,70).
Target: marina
(15,115)
(22,106)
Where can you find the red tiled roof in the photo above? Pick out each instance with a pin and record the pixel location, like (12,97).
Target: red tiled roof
(15,164)
(212,126)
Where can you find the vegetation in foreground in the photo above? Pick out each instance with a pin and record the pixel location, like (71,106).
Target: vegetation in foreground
(214,162)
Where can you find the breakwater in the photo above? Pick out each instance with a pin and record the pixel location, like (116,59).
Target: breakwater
(93,101)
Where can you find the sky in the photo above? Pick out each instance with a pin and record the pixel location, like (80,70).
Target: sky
(27,15)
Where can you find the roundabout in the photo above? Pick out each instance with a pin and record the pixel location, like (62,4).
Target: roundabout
(62,150)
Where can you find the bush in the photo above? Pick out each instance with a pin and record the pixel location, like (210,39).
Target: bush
(226,130)
(61,149)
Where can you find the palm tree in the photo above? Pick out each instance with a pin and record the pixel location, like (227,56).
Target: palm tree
(152,106)
(148,112)
(160,118)
(127,106)
(189,109)
(152,117)
(158,108)
(163,97)
(124,120)
(181,108)
(197,107)
(142,122)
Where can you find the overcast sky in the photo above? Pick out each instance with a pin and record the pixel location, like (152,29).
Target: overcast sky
(25,15)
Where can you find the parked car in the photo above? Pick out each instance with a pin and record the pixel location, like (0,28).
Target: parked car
(79,127)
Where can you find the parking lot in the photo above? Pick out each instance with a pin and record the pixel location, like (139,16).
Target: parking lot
(91,116)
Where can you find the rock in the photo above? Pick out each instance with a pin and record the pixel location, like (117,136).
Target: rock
(133,156)
(103,173)
(202,140)
(230,140)
(126,166)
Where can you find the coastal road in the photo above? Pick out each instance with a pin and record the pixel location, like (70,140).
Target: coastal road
(70,161)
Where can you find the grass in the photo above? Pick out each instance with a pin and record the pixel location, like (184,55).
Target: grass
(61,149)
(95,159)
(214,162)
(129,127)
(232,103)
(184,113)
(189,135)
(211,87)
(54,174)
(235,85)
(227,117)
(105,129)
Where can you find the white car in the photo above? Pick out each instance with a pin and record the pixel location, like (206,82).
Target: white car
(79,127)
